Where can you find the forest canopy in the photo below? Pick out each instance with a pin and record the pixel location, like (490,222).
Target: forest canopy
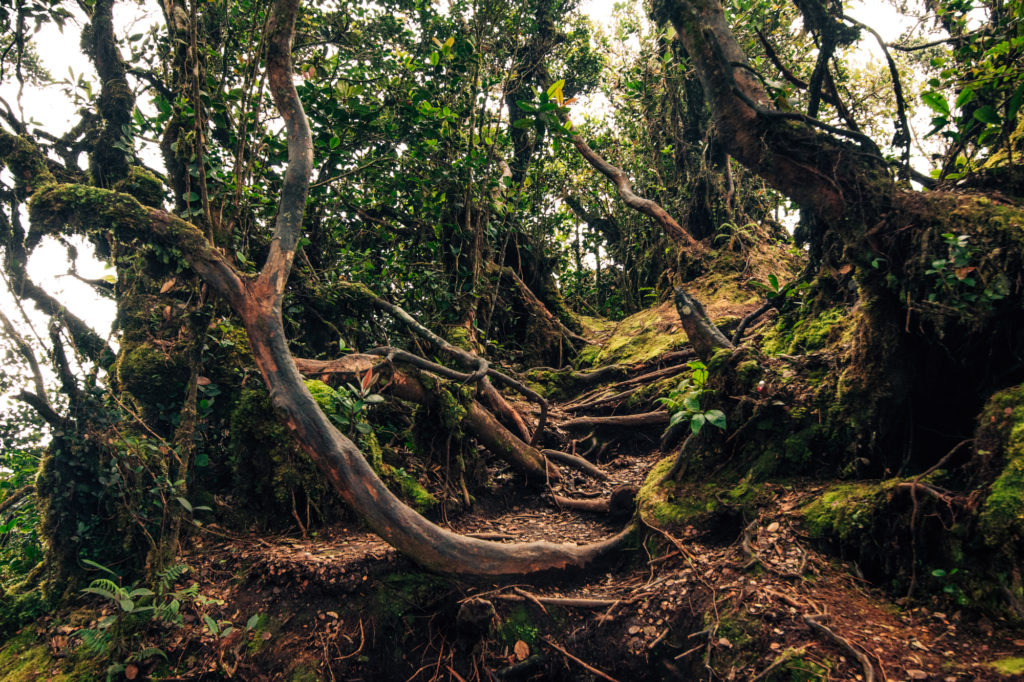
(388,265)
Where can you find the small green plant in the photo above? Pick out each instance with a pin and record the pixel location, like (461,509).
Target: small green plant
(684,401)
(951,584)
(121,636)
(956,283)
(346,405)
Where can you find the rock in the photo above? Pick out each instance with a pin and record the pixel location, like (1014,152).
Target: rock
(474,617)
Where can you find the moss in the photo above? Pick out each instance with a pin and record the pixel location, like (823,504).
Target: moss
(642,337)
(807,334)
(1002,516)
(150,374)
(461,337)
(259,442)
(1011,665)
(26,658)
(737,626)
(142,185)
(518,625)
(796,668)
(748,372)
(846,510)
(646,394)
(587,357)
(410,489)
(26,162)
(1001,432)
(676,504)
(325,396)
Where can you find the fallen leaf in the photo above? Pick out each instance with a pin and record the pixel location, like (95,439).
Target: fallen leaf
(203,381)
(131,671)
(917,674)
(522,650)
(167,287)
(773,526)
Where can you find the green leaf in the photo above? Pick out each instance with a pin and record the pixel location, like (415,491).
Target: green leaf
(89,562)
(252,622)
(555,92)
(100,591)
(523,123)
(185,503)
(697,423)
(716,418)
(211,624)
(677,417)
(988,114)
(964,97)
(202,460)
(334,142)
(936,102)
(691,403)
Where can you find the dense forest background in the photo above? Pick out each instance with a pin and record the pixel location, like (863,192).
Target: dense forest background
(689,342)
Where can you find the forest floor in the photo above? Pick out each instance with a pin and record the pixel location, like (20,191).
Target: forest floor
(742,598)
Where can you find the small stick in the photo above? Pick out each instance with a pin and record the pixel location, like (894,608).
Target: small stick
(531,597)
(787,655)
(577,602)
(589,667)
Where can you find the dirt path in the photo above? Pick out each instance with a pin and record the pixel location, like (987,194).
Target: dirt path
(346,606)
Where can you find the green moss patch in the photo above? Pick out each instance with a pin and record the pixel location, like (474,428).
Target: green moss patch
(807,334)
(1011,665)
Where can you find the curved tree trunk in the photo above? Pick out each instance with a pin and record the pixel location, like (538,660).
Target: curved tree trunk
(258,301)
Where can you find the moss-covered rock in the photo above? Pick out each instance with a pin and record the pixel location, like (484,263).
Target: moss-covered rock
(716,506)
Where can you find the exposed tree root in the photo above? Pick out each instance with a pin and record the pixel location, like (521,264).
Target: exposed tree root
(643,419)
(576,462)
(862,658)
(481,423)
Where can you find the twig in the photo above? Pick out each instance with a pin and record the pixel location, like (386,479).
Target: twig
(587,666)
(530,597)
(571,602)
(787,655)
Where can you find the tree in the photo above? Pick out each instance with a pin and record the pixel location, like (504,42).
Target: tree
(423,170)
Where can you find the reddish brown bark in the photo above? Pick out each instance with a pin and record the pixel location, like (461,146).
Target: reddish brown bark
(481,423)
